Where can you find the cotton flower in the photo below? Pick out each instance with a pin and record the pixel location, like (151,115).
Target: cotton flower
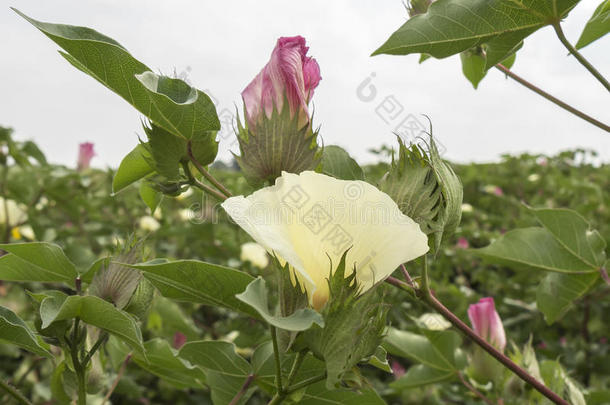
(487,323)
(467,208)
(254,253)
(16,212)
(533,177)
(149,224)
(85,154)
(289,75)
(462,243)
(27,232)
(310,220)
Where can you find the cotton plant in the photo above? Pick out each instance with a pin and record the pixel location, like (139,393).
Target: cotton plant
(327,243)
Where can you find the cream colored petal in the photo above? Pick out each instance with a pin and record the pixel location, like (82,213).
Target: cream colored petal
(255,254)
(311,219)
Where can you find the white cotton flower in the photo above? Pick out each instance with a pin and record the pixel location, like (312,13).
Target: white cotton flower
(466,207)
(185,214)
(17,213)
(254,253)
(157,214)
(149,224)
(310,220)
(27,232)
(42,202)
(185,195)
(533,177)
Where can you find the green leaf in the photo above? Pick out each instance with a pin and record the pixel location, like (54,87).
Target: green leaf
(133,167)
(533,248)
(256,295)
(597,26)
(573,232)
(169,103)
(94,311)
(437,349)
(151,197)
(336,162)
(380,360)
(419,375)
(57,384)
(200,282)
(36,261)
(556,293)
(164,362)
(318,394)
(13,330)
(473,66)
(452,26)
(510,61)
(225,370)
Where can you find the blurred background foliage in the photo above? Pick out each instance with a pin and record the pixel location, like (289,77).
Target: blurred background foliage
(76,210)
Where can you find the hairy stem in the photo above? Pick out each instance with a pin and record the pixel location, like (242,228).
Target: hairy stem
(243,390)
(552,99)
(579,56)
(14,392)
(296,366)
(100,341)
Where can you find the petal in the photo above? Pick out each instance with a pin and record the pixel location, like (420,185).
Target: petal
(311,219)
(311,76)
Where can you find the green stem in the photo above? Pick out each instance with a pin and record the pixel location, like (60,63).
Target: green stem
(14,392)
(579,57)
(278,364)
(296,366)
(279,397)
(79,370)
(551,98)
(243,390)
(100,341)
(472,389)
(207,174)
(204,187)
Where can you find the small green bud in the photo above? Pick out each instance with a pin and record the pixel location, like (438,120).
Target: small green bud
(426,189)
(272,145)
(140,301)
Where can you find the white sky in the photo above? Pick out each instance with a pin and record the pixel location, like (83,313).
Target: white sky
(223,45)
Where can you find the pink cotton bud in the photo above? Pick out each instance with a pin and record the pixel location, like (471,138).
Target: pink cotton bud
(487,323)
(85,154)
(462,243)
(397,369)
(179,340)
(498,191)
(289,75)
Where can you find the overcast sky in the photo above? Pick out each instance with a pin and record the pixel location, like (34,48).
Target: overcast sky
(222,45)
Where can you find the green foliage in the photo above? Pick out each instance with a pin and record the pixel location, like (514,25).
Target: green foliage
(14,331)
(133,167)
(256,295)
(453,26)
(597,26)
(336,162)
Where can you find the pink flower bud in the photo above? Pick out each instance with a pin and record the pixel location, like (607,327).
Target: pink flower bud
(85,154)
(289,75)
(397,369)
(462,243)
(179,340)
(487,323)
(498,191)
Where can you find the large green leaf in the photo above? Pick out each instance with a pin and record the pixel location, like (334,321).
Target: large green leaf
(200,282)
(436,349)
(14,331)
(452,26)
(473,66)
(94,311)
(597,26)
(169,103)
(336,162)
(419,375)
(226,371)
(256,295)
(533,248)
(164,362)
(556,293)
(573,232)
(36,261)
(318,394)
(133,167)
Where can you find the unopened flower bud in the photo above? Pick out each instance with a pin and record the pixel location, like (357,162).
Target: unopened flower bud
(85,154)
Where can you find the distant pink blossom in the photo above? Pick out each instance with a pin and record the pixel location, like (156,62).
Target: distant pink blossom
(85,154)
(563,341)
(462,243)
(603,340)
(397,369)
(498,191)
(289,75)
(487,323)
(179,340)
(542,345)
